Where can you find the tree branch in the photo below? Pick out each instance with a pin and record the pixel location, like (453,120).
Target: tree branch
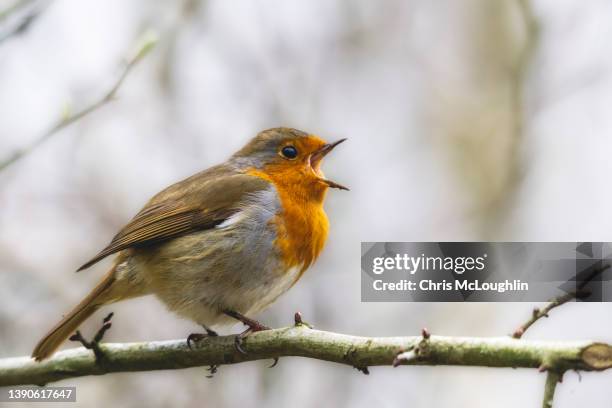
(552,379)
(579,293)
(145,44)
(23,13)
(359,352)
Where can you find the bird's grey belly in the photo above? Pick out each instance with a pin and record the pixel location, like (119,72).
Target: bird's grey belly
(235,266)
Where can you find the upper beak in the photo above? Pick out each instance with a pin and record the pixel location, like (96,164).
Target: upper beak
(316,157)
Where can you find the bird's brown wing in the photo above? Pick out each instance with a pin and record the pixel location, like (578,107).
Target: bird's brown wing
(201,203)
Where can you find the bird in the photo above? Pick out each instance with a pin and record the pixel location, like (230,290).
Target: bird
(223,244)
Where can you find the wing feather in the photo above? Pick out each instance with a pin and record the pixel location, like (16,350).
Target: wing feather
(169,215)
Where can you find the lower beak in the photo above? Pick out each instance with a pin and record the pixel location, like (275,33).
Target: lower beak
(316,158)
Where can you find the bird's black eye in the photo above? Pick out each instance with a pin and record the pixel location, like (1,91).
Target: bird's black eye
(289,152)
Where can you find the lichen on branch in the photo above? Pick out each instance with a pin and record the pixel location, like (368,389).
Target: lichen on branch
(301,341)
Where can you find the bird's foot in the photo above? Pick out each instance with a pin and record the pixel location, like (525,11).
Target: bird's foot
(94,344)
(253,326)
(212,370)
(196,337)
(239,339)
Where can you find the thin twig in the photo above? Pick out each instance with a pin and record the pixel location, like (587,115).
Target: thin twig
(579,293)
(552,379)
(13,8)
(358,352)
(24,13)
(146,44)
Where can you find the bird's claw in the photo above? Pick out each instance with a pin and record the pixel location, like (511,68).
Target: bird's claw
(238,340)
(94,344)
(253,326)
(196,337)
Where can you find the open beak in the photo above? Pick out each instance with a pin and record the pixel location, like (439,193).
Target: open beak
(315,163)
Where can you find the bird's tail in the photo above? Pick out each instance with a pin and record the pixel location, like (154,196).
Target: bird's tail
(99,296)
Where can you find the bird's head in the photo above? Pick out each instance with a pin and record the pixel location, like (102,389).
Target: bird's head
(289,156)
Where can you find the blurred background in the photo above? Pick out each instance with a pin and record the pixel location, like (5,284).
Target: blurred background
(467,120)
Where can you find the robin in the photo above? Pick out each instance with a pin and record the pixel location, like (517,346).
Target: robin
(222,244)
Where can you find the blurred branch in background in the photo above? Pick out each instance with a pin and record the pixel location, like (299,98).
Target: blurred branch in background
(518,39)
(519,79)
(479,109)
(531,33)
(302,341)
(19,16)
(143,46)
(188,10)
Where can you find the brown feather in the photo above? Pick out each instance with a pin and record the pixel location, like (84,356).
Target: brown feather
(177,211)
(60,332)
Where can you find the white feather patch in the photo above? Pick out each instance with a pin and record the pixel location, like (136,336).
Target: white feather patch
(235,218)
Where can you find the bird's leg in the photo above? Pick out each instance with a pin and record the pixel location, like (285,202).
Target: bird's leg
(195,337)
(254,326)
(94,344)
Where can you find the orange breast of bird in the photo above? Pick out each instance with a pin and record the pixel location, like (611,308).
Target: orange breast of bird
(302,225)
